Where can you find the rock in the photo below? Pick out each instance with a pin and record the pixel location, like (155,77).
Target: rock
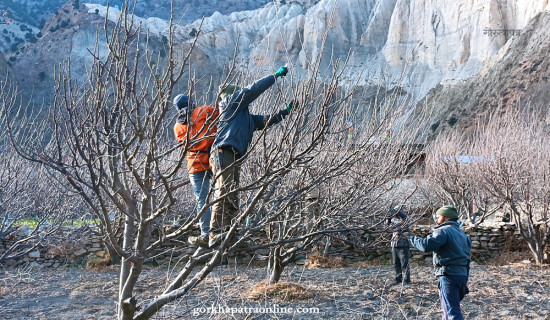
(300,262)
(11,262)
(263,252)
(34,254)
(80,252)
(101,253)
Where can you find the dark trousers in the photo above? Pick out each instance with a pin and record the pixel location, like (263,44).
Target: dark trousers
(451,291)
(400,257)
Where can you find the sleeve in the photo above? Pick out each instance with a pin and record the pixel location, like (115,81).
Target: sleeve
(430,243)
(180,132)
(252,92)
(262,122)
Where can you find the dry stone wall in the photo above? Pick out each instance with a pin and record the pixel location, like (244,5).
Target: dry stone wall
(76,246)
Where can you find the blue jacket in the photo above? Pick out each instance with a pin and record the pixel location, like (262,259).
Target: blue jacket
(236,124)
(451,249)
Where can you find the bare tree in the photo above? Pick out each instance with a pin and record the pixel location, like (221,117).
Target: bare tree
(503,166)
(30,210)
(110,146)
(452,176)
(516,147)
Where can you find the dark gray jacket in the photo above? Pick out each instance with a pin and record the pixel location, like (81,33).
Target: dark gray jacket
(236,125)
(451,249)
(400,226)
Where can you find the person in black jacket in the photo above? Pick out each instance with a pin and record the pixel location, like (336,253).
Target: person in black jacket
(400,245)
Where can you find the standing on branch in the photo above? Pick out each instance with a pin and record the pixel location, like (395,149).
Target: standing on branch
(195,129)
(235,129)
(451,257)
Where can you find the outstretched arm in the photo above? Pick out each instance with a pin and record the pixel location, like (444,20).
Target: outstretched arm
(253,91)
(430,243)
(267,121)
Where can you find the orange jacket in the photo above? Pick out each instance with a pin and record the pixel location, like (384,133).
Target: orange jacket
(202,126)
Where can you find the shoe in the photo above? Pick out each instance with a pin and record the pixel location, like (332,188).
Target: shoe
(218,237)
(198,241)
(396,283)
(214,239)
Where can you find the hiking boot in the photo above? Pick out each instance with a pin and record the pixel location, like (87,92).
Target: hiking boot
(217,238)
(198,241)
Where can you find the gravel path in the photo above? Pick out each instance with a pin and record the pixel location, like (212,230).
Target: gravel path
(496,292)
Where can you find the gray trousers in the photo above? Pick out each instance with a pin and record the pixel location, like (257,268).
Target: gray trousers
(400,257)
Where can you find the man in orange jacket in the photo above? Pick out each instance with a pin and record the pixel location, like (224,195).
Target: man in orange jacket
(196,129)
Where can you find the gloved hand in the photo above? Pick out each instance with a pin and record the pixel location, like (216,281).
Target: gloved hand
(281,72)
(292,105)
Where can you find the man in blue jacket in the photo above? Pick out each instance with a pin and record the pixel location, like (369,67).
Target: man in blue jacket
(451,258)
(235,129)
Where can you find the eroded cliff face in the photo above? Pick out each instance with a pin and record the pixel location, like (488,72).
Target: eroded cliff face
(517,76)
(399,44)
(414,44)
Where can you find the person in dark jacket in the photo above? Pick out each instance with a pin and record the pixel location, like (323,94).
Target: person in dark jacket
(400,245)
(451,258)
(235,129)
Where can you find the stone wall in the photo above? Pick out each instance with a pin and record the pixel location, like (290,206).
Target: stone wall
(77,246)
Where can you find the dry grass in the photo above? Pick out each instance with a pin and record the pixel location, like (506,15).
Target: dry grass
(98,264)
(316,260)
(281,291)
(514,251)
(368,263)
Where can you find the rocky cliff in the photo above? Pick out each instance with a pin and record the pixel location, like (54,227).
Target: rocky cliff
(412,46)
(517,75)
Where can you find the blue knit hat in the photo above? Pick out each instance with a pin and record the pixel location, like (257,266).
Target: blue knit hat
(182,101)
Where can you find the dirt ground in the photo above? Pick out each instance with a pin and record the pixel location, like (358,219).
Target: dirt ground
(517,291)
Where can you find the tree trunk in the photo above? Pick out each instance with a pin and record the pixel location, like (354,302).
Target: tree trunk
(125,268)
(537,251)
(115,257)
(276,266)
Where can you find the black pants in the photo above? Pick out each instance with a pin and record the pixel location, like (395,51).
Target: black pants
(400,257)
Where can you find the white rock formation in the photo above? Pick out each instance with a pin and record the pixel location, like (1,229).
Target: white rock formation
(427,41)
(413,44)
